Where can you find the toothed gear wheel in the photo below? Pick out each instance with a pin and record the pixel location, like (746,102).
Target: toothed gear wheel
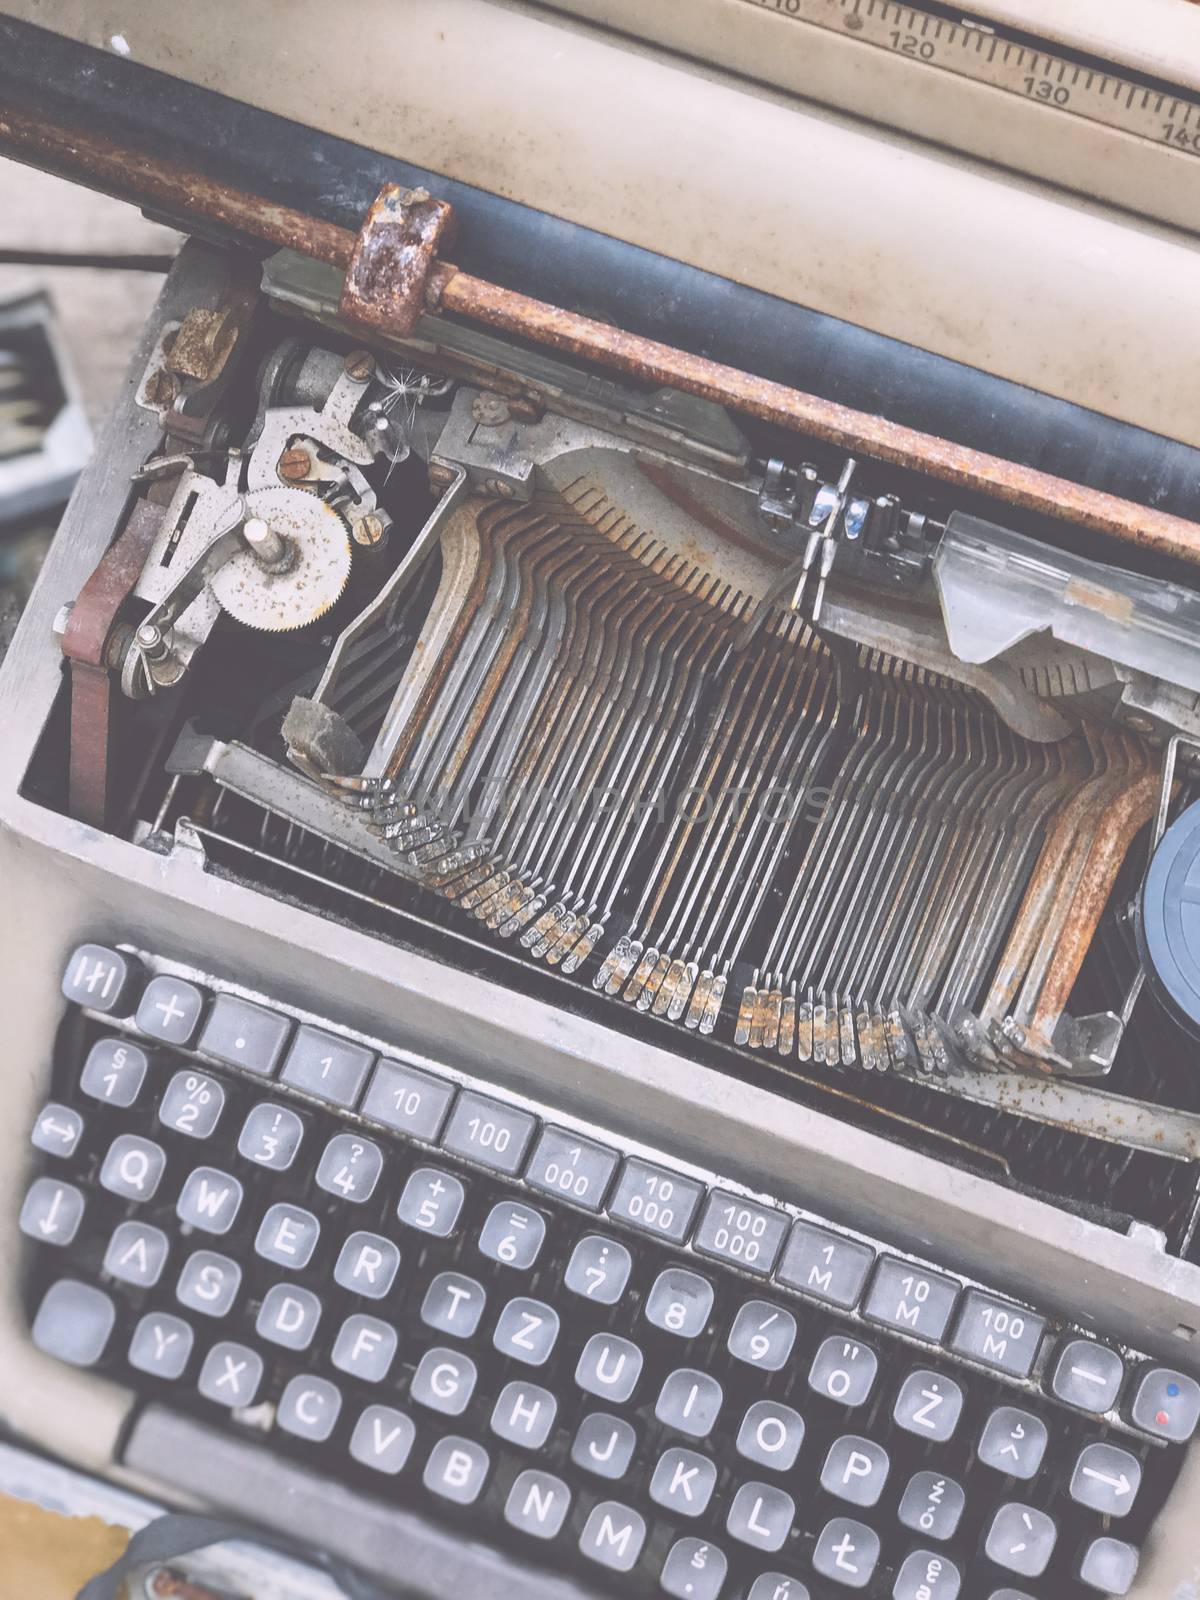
(318,540)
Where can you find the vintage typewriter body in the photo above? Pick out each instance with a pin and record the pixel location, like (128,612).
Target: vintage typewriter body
(599,962)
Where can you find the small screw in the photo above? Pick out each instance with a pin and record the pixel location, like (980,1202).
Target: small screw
(160,390)
(62,616)
(295,465)
(1013,1031)
(369,530)
(489,410)
(359,365)
(1139,724)
(441,477)
(151,642)
(499,486)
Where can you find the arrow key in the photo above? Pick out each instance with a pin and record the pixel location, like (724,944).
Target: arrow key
(52,1211)
(57,1130)
(1106,1479)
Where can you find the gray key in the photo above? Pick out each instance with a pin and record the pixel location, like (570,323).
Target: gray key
(489,1132)
(100,979)
(327,1067)
(537,1504)
(1109,1565)
(350,1167)
(613,1536)
(761,1515)
(689,1401)
(161,1345)
(231,1374)
(52,1211)
(1166,1404)
(574,1169)
(604,1445)
(599,1269)
(609,1367)
(133,1167)
(512,1234)
(114,1071)
(658,1202)
(309,1407)
(777,1586)
(453,1304)
(74,1322)
(526,1330)
(844,1370)
(1021,1539)
(57,1130)
(929,1404)
(367,1265)
(1013,1442)
(431,1201)
(771,1435)
(825,1265)
(288,1316)
(365,1348)
(856,1470)
(444,1381)
(740,1231)
(456,1470)
(1106,1478)
(683,1482)
(410,1101)
(932,1504)
(287,1236)
(245,1035)
(1087,1375)
(192,1103)
(927,1575)
(524,1414)
(998,1333)
(210,1200)
(271,1136)
(907,1297)
(208,1283)
(693,1570)
(383,1439)
(137,1254)
(762,1335)
(170,1010)
(679,1302)
(847,1552)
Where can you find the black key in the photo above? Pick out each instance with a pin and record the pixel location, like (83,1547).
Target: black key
(1106,1478)
(367,1265)
(231,1374)
(658,1202)
(513,1234)
(604,1445)
(762,1335)
(453,1304)
(905,1296)
(1109,1565)
(929,1404)
(209,1200)
(741,1232)
(927,1575)
(526,1330)
(101,979)
(771,1435)
(208,1283)
(1021,1539)
(856,1470)
(133,1167)
(613,1536)
(57,1130)
(114,1071)
(192,1103)
(679,1302)
(383,1439)
(599,1269)
(287,1236)
(574,1169)
(309,1407)
(488,1131)
(524,1414)
(847,1552)
(74,1322)
(170,1010)
(350,1167)
(161,1345)
(761,1515)
(997,1333)
(408,1100)
(271,1136)
(825,1265)
(136,1254)
(1013,1442)
(932,1504)
(457,1470)
(52,1211)
(328,1067)
(693,1570)
(683,1482)
(537,1504)
(431,1201)
(444,1381)
(244,1034)
(1166,1404)
(609,1367)
(689,1402)
(365,1348)
(844,1370)
(289,1316)
(1087,1375)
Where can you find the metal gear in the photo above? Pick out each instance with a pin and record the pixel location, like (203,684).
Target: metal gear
(315,570)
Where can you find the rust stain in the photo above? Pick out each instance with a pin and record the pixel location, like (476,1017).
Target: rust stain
(393,256)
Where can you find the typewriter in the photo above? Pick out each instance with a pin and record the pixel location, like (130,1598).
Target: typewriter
(599,801)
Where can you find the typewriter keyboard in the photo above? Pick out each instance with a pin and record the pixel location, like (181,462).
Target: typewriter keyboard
(446,1297)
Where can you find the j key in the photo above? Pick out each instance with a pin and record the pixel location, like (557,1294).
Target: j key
(524,1414)
(1021,1539)
(161,1345)
(231,1374)
(431,1201)
(245,1035)
(513,1234)
(844,1370)
(679,1302)
(170,1010)
(904,1296)
(856,1470)
(1087,1375)
(288,1236)
(453,1304)
(367,1265)
(114,1071)
(383,1439)
(288,1316)
(825,1265)
(609,1367)
(847,1552)
(74,1322)
(1166,1404)
(365,1348)
(133,1167)
(208,1283)
(927,1575)
(762,1335)
(932,1504)
(192,1103)
(1109,1565)
(761,1515)
(658,1202)
(52,1211)
(489,1132)
(771,1435)
(309,1407)
(410,1101)
(101,979)
(1013,1442)
(741,1232)
(526,1330)
(136,1254)
(998,1334)
(57,1130)
(457,1470)
(613,1536)
(578,1170)
(1106,1478)
(537,1504)
(599,1269)
(350,1167)
(689,1401)
(444,1381)
(271,1136)
(604,1445)
(683,1482)
(693,1570)
(209,1200)
(327,1067)
(929,1404)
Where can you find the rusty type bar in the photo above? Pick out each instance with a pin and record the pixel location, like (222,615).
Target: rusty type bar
(390,297)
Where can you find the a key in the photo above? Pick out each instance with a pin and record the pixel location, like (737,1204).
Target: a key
(408,1100)
(856,1470)
(1021,1539)
(929,1404)
(927,1575)
(431,1201)
(170,1010)
(488,1131)
(246,1035)
(289,1316)
(161,1345)
(526,1330)
(609,1367)
(513,1234)
(365,1348)
(74,1322)
(932,1504)
(693,1570)
(740,1232)
(136,1254)
(270,1136)
(309,1407)
(762,1335)
(453,1304)
(998,1334)
(209,1200)
(51,1212)
(350,1167)
(604,1445)
(574,1169)
(537,1504)
(192,1104)
(287,1236)
(114,1072)
(327,1067)
(383,1439)
(613,1536)
(683,1482)
(1166,1404)
(771,1435)
(1109,1566)
(761,1515)
(133,1167)
(101,979)
(847,1552)
(57,1130)
(1013,1442)
(599,1269)
(843,1370)
(231,1374)
(1087,1375)
(524,1414)
(679,1302)
(208,1283)
(905,1296)
(826,1265)
(444,1381)
(457,1470)
(656,1201)
(367,1264)
(689,1401)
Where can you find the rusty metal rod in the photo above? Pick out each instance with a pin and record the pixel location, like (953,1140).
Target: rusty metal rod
(148,180)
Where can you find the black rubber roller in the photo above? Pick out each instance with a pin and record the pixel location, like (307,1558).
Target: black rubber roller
(1169,924)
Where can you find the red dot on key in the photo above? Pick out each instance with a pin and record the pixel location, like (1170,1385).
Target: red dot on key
(1162,1418)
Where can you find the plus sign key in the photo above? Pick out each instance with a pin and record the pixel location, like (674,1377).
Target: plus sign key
(170,1010)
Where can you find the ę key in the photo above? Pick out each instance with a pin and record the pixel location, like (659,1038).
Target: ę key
(927,1575)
